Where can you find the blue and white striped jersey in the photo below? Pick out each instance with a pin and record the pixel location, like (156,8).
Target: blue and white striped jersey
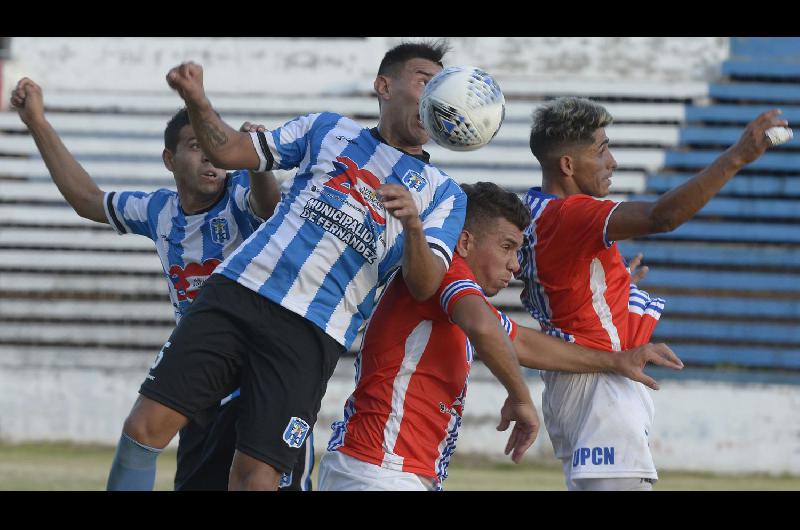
(190,246)
(331,243)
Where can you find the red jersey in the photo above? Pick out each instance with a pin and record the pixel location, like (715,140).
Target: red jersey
(576,283)
(411,379)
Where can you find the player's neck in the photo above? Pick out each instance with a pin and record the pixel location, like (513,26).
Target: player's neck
(385,130)
(553,186)
(560,186)
(195,203)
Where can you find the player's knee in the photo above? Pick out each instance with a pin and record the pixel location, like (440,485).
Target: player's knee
(249,474)
(153,424)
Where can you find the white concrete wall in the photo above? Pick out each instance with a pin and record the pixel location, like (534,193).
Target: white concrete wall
(334,66)
(705,426)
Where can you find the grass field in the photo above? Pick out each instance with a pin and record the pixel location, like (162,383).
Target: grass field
(67,467)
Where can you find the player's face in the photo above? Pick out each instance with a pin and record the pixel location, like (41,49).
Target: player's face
(402,109)
(192,170)
(493,259)
(594,165)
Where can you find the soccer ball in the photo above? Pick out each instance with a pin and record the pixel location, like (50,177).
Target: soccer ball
(462,108)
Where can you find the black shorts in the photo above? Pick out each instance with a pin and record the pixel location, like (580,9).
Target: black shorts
(205,454)
(232,337)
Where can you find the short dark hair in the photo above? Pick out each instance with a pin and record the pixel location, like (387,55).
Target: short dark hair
(487,201)
(173,130)
(405,51)
(563,123)
(174,126)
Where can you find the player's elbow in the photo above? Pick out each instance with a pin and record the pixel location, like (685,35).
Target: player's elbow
(479,330)
(422,292)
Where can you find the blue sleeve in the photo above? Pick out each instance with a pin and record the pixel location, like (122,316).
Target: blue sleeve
(286,146)
(134,212)
(443,220)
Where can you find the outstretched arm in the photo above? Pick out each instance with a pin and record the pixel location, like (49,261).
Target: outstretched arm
(224,146)
(675,207)
(543,352)
(74,183)
(480,324)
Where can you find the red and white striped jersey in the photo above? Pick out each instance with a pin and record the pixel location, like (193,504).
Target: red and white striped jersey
(411,379)
(576,283)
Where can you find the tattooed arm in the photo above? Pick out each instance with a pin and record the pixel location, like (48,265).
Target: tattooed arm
(224,146)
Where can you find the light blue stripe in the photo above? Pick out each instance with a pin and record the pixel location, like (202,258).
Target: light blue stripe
(364,312)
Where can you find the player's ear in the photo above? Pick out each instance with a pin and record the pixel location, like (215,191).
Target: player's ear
(381,86)
(567,165)
(166,156)
(464,243)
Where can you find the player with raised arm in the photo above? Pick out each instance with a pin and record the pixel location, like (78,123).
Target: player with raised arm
(193,229)
(280,310)
(577,286)
(401,423)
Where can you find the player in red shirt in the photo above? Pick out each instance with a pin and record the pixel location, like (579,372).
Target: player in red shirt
(401,423)
(578,287)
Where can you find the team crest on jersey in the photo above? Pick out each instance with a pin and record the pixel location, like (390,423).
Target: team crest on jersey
(296,432)
(220,233)
(413,180)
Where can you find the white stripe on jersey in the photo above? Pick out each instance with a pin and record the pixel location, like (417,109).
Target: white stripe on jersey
(343,313)
(597,284)
(606,242)
(255,273)
(414,348)
(131,211)
(454,288)
(262,160)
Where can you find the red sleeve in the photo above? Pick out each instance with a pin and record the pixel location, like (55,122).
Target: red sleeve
(582,221)
(458,282)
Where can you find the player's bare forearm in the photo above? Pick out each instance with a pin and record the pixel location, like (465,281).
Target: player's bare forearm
(423,270)
(543,352)
(679,205)
(491,342)
(265,193)
(225,147)
(74,183)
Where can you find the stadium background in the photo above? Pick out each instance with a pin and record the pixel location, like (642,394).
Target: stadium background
(83,311)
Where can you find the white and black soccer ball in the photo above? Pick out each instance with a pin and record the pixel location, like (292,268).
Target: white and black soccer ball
(462,108)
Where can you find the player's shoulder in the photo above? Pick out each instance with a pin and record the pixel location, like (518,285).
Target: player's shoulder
(155,197)
(459,271)
(438,179)
(330,119)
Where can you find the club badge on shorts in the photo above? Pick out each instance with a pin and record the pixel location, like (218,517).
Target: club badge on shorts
(296,432)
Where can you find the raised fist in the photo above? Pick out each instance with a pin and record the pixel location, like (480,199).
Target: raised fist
(27,100)
(187,80)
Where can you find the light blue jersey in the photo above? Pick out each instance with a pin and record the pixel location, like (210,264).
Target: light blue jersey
(190,246)
(330,243)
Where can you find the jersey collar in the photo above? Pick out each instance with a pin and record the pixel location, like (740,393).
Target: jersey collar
(424,157)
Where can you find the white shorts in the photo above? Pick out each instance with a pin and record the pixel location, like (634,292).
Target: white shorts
(599,425)
(341,472)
